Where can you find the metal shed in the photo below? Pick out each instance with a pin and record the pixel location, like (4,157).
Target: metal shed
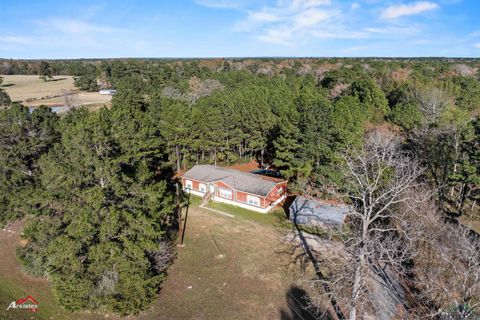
(312,212)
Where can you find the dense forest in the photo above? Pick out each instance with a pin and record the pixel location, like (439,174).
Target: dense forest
(97,188)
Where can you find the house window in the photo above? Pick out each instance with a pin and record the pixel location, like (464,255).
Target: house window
(188,184)
(254,201)
(225,193)
(202,187)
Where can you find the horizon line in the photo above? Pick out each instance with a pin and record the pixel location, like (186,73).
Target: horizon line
(248,57)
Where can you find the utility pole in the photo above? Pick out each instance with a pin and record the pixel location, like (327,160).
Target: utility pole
(185,221)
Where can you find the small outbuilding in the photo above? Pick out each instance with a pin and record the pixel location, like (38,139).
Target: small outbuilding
(108,92)
(316,213)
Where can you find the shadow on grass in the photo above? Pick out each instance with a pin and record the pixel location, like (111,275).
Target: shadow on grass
(302,252)
(286,205)
(58,79)
(298,302)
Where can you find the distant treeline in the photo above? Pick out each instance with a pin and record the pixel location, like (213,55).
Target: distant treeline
(76,67)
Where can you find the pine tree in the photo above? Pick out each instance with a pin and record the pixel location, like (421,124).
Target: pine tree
(44,71)
(107,206)
(372,98)
(24,138)
(5,100)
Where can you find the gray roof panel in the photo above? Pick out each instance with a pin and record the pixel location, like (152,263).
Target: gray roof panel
(242,181)
(309,211)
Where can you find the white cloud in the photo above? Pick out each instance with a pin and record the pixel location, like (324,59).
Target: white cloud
(305,4)
(296,23)
(277,36)
(477,45)
(395,30)
(17,40)
(219,4)
(420,42)
(354,49)
(312,17)
(399,10)
(256,19)
(262,16)
(336,33)
(73,26)
(289,20)
(66,33)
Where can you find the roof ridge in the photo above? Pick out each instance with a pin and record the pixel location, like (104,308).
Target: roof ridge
(239,180)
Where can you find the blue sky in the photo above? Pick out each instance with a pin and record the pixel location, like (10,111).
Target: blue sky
(229,28)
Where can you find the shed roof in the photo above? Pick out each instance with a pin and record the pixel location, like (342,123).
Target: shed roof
(238,180)
(309,211)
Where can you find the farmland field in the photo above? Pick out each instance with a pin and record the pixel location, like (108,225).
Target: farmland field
(32,91)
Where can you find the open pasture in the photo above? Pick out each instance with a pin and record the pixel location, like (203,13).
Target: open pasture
(32,91)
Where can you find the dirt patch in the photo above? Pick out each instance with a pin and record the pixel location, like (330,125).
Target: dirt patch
(246,167)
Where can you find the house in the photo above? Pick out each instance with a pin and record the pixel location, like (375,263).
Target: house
(108,91)
(316,213)
(247,190)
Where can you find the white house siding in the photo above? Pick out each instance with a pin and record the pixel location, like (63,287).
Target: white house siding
(194,192)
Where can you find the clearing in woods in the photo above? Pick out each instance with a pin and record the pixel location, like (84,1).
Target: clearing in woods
(32,91)
(250,278)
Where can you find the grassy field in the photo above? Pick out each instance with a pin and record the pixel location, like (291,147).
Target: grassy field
(32,91)
(229,268)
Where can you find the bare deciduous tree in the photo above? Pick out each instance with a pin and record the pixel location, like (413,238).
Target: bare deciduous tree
(452,279)
(464,70)
(446,264)
(69,98)
(432,102)
(378,178)
(201,88)
(198,88)
(162,257)
(107,283)
(172,92)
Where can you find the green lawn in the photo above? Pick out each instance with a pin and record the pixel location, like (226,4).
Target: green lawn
(195,201)
(276,217)
(10,290)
